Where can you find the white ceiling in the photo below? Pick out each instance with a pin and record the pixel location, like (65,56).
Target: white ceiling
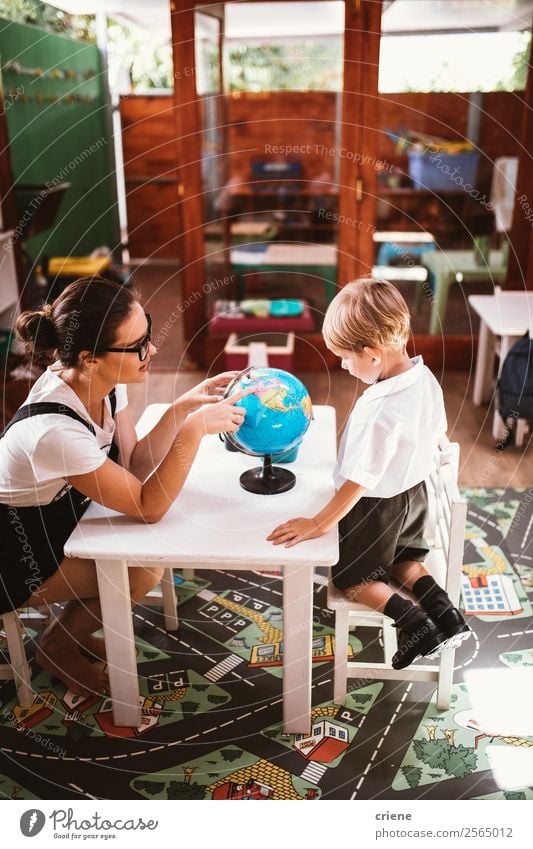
(258,21)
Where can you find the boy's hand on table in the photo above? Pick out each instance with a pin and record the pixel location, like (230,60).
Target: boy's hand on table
(295,531)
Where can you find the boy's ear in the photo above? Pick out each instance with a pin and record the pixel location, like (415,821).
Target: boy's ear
(374,354)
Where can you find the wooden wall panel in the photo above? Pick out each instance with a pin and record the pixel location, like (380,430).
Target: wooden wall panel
(151,175)
(148,136)
(259,121)
(153,216)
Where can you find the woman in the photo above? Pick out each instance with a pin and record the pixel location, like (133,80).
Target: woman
(73,440)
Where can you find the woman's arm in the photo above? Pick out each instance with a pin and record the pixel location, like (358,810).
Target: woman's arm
(117,488)
(142,456)
(298,530)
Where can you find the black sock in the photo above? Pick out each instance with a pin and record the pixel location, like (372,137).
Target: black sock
(432,598)
(402,611)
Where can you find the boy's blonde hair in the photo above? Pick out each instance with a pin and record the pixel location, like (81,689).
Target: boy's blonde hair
(367,312)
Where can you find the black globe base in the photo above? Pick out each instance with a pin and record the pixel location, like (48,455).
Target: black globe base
(267,479)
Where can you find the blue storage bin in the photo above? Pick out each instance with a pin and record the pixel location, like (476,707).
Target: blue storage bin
(437,170)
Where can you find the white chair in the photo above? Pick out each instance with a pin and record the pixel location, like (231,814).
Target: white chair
(18,668)
(445,536)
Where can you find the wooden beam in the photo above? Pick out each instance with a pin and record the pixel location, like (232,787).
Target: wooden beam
(189,155)
(520,269)
(359,139)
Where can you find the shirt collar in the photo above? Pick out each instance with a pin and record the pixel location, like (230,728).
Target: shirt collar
(396,383)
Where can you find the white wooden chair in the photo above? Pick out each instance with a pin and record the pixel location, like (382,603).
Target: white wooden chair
(445,536)
(18,668)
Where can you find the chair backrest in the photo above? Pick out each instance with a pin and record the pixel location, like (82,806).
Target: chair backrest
(446,531)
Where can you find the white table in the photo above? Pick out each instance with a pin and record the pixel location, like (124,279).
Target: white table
(215,524)
(507,315)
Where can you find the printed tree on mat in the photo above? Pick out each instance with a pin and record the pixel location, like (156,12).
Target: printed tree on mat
(456,761)
(412,775)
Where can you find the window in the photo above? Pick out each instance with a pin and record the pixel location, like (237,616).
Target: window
(497,61)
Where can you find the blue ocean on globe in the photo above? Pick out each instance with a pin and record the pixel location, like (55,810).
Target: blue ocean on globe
(278,412)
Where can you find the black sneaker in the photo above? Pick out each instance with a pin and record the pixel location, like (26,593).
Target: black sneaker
(414,640)
(454,627)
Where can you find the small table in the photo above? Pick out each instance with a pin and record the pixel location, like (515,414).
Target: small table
(319,260)
(215,524)
(450,266)
(508,315)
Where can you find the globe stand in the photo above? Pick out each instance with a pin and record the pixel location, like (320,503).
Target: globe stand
(267,479)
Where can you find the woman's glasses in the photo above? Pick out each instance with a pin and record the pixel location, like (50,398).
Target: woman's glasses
(141,348)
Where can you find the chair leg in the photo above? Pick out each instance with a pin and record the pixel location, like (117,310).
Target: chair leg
(18,659)
(390,642)
(340,666)
(170,609)
(445,679)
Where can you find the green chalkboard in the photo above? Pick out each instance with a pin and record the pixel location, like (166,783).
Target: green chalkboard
(54,102)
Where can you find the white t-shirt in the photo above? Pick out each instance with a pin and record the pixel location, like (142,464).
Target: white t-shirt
(37,454)
(392,433)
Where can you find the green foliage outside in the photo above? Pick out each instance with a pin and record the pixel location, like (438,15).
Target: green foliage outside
(49,18)
(296,66)
(292,66)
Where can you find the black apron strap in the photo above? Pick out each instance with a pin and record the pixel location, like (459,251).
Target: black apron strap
(113,448)
(43,407)
(113,401)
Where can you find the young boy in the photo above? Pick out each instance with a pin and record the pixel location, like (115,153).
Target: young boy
(386,453)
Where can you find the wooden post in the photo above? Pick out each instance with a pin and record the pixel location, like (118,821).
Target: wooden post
(360,109)
(189,155)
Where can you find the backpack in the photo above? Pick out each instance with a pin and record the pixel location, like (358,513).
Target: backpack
(515,387)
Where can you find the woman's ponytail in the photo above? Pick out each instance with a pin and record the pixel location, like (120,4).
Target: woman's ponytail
(37,330)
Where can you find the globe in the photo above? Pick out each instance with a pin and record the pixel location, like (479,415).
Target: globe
(278,414)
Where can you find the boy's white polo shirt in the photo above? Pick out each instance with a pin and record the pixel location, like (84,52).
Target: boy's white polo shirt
(392,433)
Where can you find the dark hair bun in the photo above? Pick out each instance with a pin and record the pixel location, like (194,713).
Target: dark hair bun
(37,330)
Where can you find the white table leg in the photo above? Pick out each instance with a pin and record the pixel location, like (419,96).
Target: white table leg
(484,365)
(114,590)
(297,648)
